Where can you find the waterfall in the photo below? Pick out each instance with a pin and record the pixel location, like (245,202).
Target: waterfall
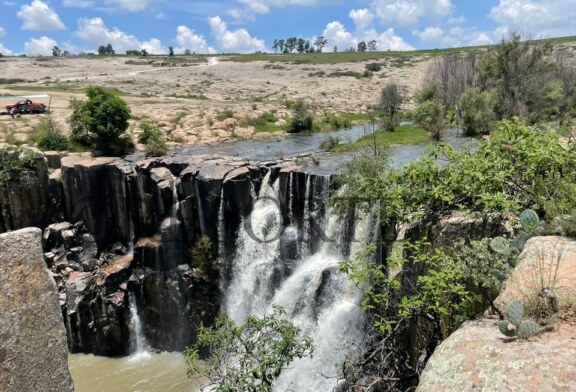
(316,296)
(220,228)
(138,344)
(175,201)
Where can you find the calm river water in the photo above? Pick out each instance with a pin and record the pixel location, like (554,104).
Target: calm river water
(142,372)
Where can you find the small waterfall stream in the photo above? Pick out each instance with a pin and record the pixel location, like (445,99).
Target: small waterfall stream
(316,296)
(138,344)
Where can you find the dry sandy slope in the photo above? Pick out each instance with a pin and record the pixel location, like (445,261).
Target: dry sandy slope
(185,100)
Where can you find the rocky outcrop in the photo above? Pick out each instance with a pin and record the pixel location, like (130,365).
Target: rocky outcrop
(546,270)
(33,353)
(477,357)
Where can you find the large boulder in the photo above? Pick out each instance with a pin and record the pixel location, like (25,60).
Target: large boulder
(477,357)
(546,267)
(33,350)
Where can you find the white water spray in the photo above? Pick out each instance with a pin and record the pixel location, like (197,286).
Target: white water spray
(316,296)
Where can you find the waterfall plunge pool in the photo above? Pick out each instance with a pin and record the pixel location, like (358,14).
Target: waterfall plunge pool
(141,372)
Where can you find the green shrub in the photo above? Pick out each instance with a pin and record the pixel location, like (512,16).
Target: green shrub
(149,131)
(101,121)
(374,67)
(302,118)
(225,114)
(329,142)
(15,169)
(50,137)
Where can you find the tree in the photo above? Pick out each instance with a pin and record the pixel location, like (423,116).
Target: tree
(247,357)
(301,45)
(105,50)
(101,121)
(335,49)
(170,51)
(281,43)
(290,44)
(302,118)
(476,112)
(373,46)
(390,102)
(56,52)
(362,47)
(187,52)
(429,116)
(320,43)
(143,52)
(275,45)
(65,53)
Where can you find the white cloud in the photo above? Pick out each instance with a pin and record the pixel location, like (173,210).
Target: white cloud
(187,39)
(154,46)
(263,6)
(410,12)
(40,46)
(547,18)
(362,18)
(78,3)
(481,39)
(234,41)
(2,31)
(337,35)
(38,16)
(5,51)
(95,33)
(130,5)
(430,34)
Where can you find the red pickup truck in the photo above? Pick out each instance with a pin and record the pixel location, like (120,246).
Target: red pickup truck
(25,107)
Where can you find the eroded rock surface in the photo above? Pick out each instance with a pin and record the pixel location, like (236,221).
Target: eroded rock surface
(33,351)
(477,357)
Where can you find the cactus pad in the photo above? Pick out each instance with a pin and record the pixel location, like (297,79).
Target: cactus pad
(529,220)
(503,327)
(520,240)
(515,311)
(500,245)
(527,329)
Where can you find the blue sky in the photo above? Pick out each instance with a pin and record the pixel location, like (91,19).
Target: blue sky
(224,26)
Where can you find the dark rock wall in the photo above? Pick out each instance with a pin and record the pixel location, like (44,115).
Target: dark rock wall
(115,230)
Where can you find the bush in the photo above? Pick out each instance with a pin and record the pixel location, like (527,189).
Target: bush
(101,121)
(374,67)
(247,357)
(428,115)
(476,112)
(302,119)
(224,115)
(13,168)
(50,137)
(329,142)
(153,138)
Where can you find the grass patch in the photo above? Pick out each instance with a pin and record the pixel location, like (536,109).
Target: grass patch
(403,135)
(333,121)
(12,80)
(266,122)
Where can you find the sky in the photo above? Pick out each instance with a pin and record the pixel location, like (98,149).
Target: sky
(34,27)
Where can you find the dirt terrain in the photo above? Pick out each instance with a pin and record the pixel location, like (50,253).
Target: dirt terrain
(188,97)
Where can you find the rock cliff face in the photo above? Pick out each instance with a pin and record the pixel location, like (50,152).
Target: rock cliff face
(122,231)
(33,352)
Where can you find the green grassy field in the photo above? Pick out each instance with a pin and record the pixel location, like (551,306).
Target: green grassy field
(403,135)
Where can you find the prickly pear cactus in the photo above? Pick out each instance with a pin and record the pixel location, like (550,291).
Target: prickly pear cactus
(527,329)
(529,220)
(503,327)
(500,245)
(515,311)
(520,240)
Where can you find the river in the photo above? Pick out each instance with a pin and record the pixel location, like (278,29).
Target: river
(143,372)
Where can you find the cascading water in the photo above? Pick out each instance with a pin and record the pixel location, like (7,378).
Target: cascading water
(138,344)
(316,296)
